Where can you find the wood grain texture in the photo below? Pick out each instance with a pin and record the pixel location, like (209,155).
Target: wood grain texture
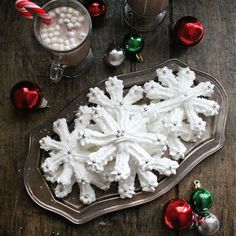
(22,58)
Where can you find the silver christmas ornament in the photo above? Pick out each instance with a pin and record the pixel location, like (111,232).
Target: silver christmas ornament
(114,56)
(207,224)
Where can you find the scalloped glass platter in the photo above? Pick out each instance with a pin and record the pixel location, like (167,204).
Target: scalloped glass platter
(70,207)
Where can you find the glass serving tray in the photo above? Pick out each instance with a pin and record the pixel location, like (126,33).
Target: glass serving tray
(70,207)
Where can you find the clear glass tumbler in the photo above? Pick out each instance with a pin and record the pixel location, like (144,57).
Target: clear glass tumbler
(73,62)
(144,15)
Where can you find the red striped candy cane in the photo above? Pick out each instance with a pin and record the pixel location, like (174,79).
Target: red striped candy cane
(23,5)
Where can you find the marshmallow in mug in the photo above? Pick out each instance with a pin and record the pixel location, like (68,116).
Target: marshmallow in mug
(67,31)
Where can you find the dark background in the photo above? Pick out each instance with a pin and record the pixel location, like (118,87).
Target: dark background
(21,58)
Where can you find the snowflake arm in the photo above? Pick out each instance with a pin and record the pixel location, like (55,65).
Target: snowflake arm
(115,89)
(177,149)
(206,107)
(121,169)
(47,143)
(148,180)
(97,160)
(126,187)
(164,165)
(66,162)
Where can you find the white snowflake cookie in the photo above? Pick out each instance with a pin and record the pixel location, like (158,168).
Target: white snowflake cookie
(121,137)
(66,163)
(176,106)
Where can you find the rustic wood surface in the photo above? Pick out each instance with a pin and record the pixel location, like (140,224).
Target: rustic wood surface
(21,58)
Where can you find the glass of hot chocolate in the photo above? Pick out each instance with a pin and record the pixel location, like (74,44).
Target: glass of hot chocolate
(144,15)
(67,39)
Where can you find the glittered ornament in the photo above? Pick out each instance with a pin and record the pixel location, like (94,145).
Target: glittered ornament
(178,214)
(133,45)
(201,199)
(207,224)
(96,8)
(114,56)
(26,96)
(188,31)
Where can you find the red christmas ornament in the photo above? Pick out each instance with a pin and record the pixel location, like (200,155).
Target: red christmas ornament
(26,95)
(178,214)
(96,8)
(189,31)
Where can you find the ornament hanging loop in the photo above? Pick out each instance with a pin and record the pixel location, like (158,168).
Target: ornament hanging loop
(139,57)
(197,184)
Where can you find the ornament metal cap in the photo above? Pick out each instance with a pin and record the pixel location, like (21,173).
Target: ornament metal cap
(197,183)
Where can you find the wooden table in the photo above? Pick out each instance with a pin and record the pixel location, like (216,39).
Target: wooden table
(23,59)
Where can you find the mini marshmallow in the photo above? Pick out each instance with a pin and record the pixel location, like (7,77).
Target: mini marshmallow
(58,10)
(70,26)
(64,9)
(54,40)
(71,34)
(70,10)
(67,47)
(73,19)
(61,47)
(72,41)
(76,13)
(55,46)
(62,15)
(66,42)
(43,30)
(44,36)
(50,35)
(60,40)
(77,25)
(74,45)
(57,27)
(47,40)
(81,19)
(60,21)
(52,14)
(51,29)
(66,20)
(57,33)
(82,35)
(68,15)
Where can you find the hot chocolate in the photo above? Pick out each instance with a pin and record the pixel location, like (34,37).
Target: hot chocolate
(147,7)
(66,36)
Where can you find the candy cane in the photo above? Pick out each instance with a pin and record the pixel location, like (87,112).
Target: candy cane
(23,5)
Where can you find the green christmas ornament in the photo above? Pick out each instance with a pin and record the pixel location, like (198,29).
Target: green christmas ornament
(133,45)
(201,198)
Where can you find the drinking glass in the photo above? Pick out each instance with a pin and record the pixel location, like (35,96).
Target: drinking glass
(144,15)
(67,63)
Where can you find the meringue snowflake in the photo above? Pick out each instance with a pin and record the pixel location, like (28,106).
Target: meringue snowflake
(121,136)
(66,163)
(178,102)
